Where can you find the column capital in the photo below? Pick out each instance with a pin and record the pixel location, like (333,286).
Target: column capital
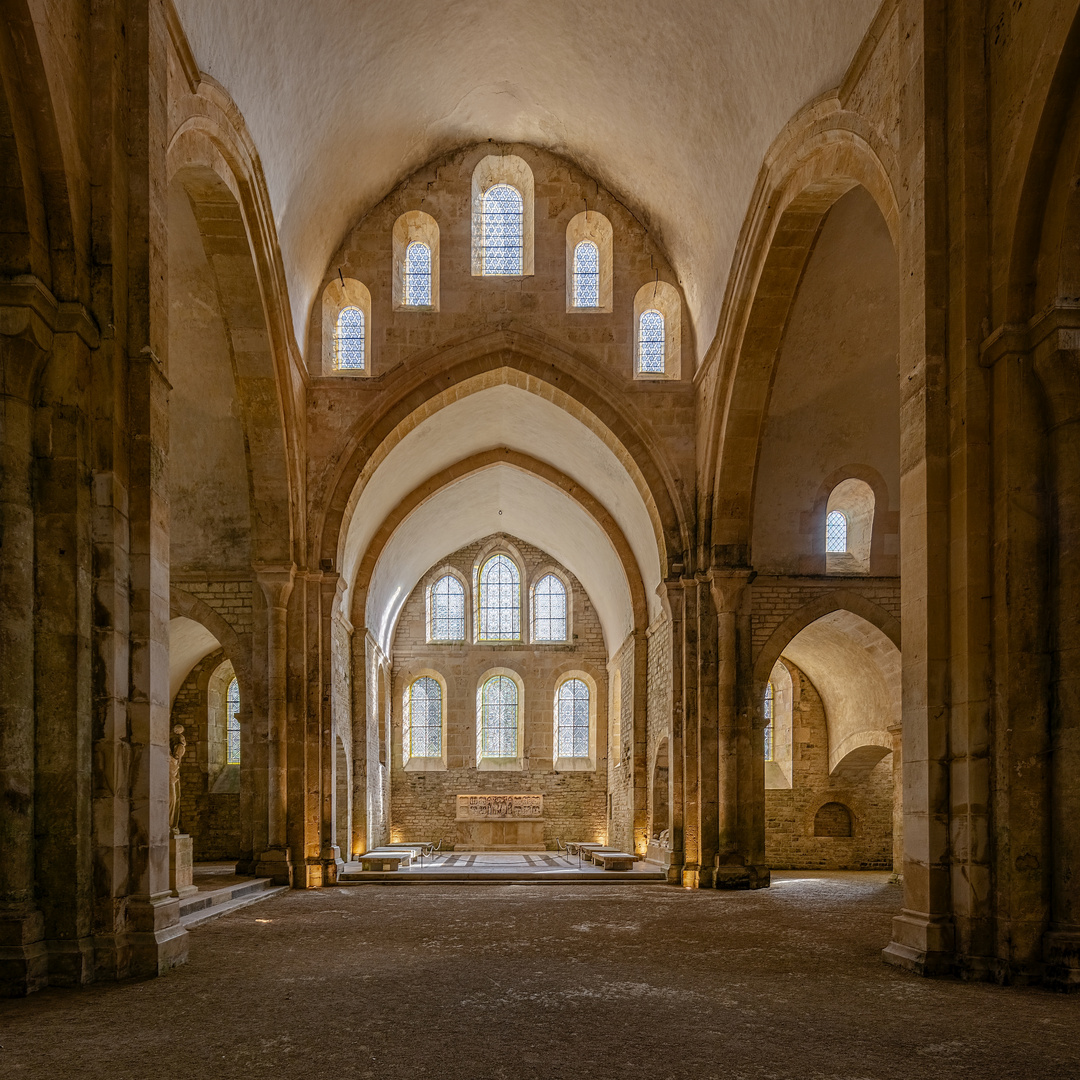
(276,582)
(729,587)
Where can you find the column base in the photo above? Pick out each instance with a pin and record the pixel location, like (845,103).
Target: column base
(181,865)
(276,864)
(71,961)
(742,877)
(24,956)
(1061,958)
(152,942)
(921,944)
(332,864)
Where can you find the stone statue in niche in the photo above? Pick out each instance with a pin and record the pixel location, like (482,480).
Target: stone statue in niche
(174,780)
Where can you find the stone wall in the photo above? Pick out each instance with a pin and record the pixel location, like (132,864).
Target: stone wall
(790,843)
(659,698)
(620,770)
(423,804)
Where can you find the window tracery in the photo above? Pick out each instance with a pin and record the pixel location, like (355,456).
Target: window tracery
(232,727)
(549,609)
(586,275)
(447,609)
(651,342)
(497,735)
(421,734)
(499,606)
(572,720)
(417,275)
(349,352)
(501,231)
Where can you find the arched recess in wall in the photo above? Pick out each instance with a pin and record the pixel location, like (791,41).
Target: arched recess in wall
(819,158)
(853,659)
(660,792)
(527,415)
(215,182)
(40,147)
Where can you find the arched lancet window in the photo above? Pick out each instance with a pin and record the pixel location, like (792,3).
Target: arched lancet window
(421,720)
(417,275)
(549,609)
(501,236)
(498,727)
(586,275)
(447,609)
(651,342)
(770,696)
(836,531)
(500,600)
(349,340)
(232,726)
(572,720)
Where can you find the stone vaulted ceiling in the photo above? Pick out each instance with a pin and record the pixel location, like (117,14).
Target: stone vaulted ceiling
(670,105)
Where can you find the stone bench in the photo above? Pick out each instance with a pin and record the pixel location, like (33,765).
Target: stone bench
(385,859)
(580,848)
(614,860)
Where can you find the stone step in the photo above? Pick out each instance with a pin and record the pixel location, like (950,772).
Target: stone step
(204,906)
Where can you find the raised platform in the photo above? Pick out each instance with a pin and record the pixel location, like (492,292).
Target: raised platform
(499,868)
(222,891)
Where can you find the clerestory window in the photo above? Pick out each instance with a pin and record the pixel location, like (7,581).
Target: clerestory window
(501,231)
(651,342)
(349,344)
(232,725)
(549,609)
(447,607)
(417,275)
(586,275)
(836,531)
(421,727)
(499,607)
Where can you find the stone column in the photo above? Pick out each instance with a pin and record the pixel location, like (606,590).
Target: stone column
(276,583)
(740,858)
(895,733)
(1059,371)
(330,854)
(23,954)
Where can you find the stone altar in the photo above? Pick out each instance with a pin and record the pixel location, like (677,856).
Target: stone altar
(511,822)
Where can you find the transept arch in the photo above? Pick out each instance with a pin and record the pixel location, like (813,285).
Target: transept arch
(821,155)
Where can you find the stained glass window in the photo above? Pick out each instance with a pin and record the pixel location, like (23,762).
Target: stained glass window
(232,723)
(501,231)
(498,718)
(500,600)
(349,340)
(836,532)
(447,609)
(549,609)
(417,275)
(768,709)
(421,728)
(586,275)
(651,342)
(572,719)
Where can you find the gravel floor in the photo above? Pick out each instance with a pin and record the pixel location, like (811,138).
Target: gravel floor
(523,982)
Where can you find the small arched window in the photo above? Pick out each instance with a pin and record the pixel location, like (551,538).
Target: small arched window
(447,609)
(501,235)
(616,718)
(586,275)
(572,720)
(770,697)
(349,351)
(549,609)
(498,727)
(421,721)
(651,342)
(417,275)
(232,726)
(499,601)
(836,531)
